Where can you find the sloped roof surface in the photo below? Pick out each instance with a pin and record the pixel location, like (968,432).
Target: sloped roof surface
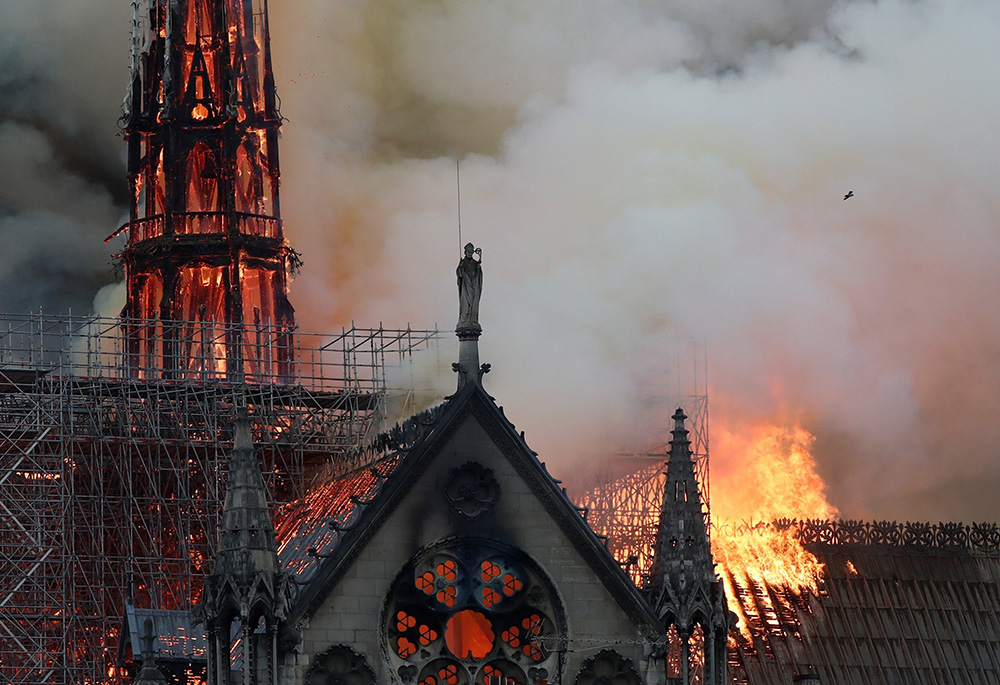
(905,609)
(311,528)
(174,636)
(318,536)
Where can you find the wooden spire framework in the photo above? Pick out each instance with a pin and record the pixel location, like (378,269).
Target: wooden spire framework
(205,248)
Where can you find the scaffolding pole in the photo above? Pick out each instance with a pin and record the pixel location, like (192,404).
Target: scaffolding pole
(111,480)
(622,501)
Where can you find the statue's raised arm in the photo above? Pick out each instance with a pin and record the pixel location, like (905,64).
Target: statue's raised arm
(470,288)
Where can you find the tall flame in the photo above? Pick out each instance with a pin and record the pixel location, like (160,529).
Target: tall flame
(775,479)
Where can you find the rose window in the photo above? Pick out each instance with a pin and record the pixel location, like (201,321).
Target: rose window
(471,613)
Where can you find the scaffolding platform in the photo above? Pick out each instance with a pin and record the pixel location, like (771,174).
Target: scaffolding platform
(622,499)
(112,479)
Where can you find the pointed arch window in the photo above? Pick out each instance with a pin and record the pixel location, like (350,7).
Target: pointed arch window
(201,305)
(680,491)
(263,331)
(146,328)
(250,177)
(202,183)
(691,649)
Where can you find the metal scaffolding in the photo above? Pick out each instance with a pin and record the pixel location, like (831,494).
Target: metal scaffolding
(110,485)
(623,499)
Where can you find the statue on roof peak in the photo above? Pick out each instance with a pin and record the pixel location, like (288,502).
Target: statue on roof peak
(470,288)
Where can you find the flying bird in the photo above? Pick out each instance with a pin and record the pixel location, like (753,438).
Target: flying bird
(850,193)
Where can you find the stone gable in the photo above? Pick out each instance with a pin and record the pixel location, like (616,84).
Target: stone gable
(470,487)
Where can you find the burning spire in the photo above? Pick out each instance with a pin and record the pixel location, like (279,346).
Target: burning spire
(205,259)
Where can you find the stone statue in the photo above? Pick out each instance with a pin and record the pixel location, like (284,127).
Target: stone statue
(470,288)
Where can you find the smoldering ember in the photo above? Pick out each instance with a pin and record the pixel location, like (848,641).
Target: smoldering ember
(195,489)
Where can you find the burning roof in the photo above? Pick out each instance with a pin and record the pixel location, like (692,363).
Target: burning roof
(891,603)
(311,528)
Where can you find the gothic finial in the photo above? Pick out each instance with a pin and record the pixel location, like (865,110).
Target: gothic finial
(242,440)
(679,418)
(147,638)
(679,433)
(150,673)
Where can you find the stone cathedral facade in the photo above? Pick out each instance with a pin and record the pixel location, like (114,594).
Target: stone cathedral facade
(462,561)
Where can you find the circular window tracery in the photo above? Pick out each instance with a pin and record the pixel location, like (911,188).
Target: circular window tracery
(472,490)
(467,612)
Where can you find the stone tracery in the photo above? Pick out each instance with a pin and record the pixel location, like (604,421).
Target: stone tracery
(468,610)
(340,665)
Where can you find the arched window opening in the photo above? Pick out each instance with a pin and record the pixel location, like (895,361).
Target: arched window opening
(695,654)
(201,307)
(160,187)
(263,333)
(674,652)
(139,193)
(249,177)
(202,187)
(150,188)
(147,343)
(680,491)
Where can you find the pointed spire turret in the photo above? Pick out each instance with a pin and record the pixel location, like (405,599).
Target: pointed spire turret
(684,553)
(247,544)
(684,589)
(247,587)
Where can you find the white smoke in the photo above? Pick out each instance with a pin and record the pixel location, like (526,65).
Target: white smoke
(637,168)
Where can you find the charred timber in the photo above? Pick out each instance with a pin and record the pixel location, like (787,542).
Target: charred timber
(204,240)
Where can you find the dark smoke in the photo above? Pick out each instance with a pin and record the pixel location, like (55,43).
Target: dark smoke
(63,182)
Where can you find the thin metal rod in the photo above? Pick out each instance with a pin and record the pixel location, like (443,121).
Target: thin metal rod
(458,185)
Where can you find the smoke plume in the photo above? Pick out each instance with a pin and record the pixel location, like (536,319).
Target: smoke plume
(63,182)
(633,170)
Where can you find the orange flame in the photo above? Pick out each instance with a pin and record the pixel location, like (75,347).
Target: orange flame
(767,472)
(771,476)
